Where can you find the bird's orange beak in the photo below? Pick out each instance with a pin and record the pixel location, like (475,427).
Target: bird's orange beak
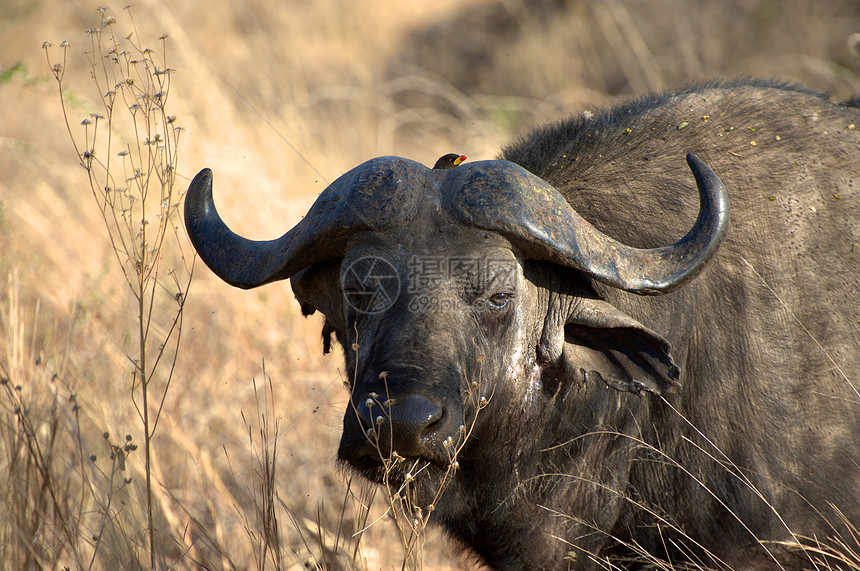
(459,160)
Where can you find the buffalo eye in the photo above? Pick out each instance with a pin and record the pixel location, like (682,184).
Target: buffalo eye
(499,300)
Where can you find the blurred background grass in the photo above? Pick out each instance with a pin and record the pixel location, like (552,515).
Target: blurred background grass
(280,98)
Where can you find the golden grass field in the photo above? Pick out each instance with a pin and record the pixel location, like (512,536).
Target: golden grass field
(279,99)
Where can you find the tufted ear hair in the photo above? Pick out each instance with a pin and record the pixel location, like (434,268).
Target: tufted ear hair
(317,288)
(605,344)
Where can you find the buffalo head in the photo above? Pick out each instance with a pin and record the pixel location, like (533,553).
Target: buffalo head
(455,290)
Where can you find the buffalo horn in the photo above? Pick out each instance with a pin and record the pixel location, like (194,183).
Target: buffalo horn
(366,198)
(498,196)
(505,198)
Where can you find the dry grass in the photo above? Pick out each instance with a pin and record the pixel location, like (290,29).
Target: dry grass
(279,98)
(140,210)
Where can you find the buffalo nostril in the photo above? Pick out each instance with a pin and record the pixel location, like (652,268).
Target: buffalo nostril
(414,420)
(432,426)
(417,413)
(407,425)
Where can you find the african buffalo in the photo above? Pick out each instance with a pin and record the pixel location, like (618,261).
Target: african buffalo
(586,400)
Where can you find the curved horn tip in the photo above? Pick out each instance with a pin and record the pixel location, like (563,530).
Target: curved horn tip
(712,187)
(206,171)
(201,180)
(703,239)
(691,160)
(198,202)
(703,173)
(199,196)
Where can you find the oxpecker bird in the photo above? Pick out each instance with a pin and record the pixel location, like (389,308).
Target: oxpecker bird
(449,161)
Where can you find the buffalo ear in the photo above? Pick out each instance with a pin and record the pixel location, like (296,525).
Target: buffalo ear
(327,332)
(318,288)
(608,345)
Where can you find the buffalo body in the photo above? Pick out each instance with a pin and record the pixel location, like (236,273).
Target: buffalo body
(666,381)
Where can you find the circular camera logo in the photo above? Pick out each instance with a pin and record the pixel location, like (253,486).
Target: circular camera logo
(375,284)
